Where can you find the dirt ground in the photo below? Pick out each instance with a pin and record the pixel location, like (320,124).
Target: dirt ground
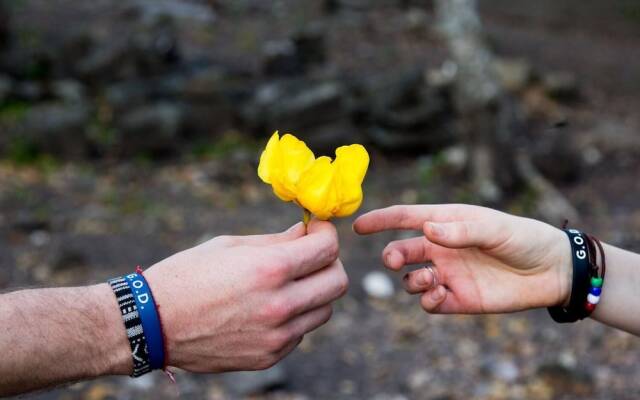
(72,224)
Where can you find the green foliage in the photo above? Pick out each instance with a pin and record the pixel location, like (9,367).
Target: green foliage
(13,111)
(525,202)
(102,134)
(21,151)
(224,146)
(432,173)
(631,11)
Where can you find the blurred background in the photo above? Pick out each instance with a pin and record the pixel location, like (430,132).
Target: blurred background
(131,129)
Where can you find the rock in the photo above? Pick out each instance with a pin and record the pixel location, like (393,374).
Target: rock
(335,6)
(69,264)
(389,396)
(289,57)
(566,379)
(505,370)
(455,157)
(592,155)
(214,96)
(69,91)
(4,26)
(561,85)
(39,238)
(28,91)
(310,45)
(126,95)
(279,58)
(57,128)
(378,285)
(404,114)
(152,128)
(256,382)
(152,10)
(418,380)
(556,155)
(513,74)
(317,111)
(27,221)
(141,50)
(6,86)
(417,20)
(443,76)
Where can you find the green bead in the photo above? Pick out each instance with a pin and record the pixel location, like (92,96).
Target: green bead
(596,282)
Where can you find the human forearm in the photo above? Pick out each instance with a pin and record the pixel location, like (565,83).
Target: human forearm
(53,336)
(618,305)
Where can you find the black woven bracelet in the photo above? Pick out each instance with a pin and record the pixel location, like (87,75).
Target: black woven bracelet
(580,281)
(133,326)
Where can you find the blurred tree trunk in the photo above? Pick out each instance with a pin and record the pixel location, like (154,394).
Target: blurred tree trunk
(476,92)
(496,164)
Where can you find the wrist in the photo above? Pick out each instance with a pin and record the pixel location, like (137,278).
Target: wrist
(114,355)
(563,269)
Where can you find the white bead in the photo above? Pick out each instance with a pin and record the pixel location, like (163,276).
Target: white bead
(593,299)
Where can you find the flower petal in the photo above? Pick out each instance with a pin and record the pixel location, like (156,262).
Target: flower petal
(268,158)
(351,166)
(282,163)
(316,191)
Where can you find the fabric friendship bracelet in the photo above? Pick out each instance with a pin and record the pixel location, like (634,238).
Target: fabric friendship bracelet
(586,286)
(141,321)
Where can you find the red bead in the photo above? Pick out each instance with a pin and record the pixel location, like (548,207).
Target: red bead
(589,307)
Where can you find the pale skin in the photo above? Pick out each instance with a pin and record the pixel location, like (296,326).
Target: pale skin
(488,261)
(232,303)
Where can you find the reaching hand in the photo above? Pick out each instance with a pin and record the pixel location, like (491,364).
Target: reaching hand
(245,302)
(485,261)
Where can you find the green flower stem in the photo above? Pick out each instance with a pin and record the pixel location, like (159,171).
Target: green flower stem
(306,217)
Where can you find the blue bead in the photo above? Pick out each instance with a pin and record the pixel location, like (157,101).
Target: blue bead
(596,291)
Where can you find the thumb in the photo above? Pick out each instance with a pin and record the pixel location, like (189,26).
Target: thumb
(461,234)
(294,232)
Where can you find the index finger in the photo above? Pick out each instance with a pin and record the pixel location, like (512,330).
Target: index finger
(314,251)
(412,216)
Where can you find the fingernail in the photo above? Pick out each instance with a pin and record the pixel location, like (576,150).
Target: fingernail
(387,259)
(422,279)
(394,259)
(436,229)
(436,295)
(294,227)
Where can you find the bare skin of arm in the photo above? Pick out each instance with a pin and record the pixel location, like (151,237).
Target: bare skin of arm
(488,261)
(49,336)
(232,303)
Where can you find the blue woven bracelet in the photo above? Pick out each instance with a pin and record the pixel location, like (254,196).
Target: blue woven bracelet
(149,317)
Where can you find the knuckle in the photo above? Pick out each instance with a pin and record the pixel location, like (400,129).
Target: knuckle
(274,271)
(278,340)
(224,240)
(343,283)
(267,361)
(328,312)
(282,257)
(278,310)
(333,249)
(428,305)
(400,212)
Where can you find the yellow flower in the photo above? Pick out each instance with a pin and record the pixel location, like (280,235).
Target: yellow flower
(282,163)
(320,186)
